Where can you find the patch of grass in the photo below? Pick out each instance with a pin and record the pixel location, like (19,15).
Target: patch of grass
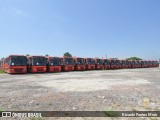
(2,71)
(1,110)
(110,113)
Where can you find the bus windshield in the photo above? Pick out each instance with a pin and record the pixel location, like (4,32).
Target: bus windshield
(133,62)
(115,62)
(142,62)
(68,61)
(118,62)
(100,61)
(39,61)
(156,62)
(55,61)
(18,61)
(124,63)
(128,62)
(90,61)
(80,61)
(107,62)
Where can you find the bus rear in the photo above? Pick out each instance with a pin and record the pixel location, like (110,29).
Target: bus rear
(90,63)
(107,64)
(79,64)
(67,64)
(37,64)
(99,64)
(53,64)
(15,64)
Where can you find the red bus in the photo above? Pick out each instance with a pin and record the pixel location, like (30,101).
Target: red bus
(156,64)
(53,64)
(107,64)
(90,63)
(143,64)
(124,64)
(128,63)
(79,64)
(152,63)
(149,63)
(37,64)
(67,64)
(134,64)
(138,63)
(15,64)
(115,64)
(99,64)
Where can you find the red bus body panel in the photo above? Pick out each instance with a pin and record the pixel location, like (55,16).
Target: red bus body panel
(98,66)
(54,69)
(156,64)
(67,67)
(12,69)
(107,66)
(113,66)
(123,65)
(89,66)
(79,67)
(15,69)
(51,68)
(38,69)
(133,65)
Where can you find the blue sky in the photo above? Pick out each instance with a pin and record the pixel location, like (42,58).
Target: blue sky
(85,28)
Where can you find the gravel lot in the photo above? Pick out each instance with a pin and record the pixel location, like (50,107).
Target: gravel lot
(125,89)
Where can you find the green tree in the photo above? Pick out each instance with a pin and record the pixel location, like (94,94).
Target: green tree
(27,54)
(46,55)
(133,58)
(67,54)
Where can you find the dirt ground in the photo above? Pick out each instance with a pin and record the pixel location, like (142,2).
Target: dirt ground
(124,89)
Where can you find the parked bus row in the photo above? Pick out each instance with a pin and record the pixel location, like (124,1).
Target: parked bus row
(37,64)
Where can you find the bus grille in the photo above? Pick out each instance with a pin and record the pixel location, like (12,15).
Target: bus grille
(18,69)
